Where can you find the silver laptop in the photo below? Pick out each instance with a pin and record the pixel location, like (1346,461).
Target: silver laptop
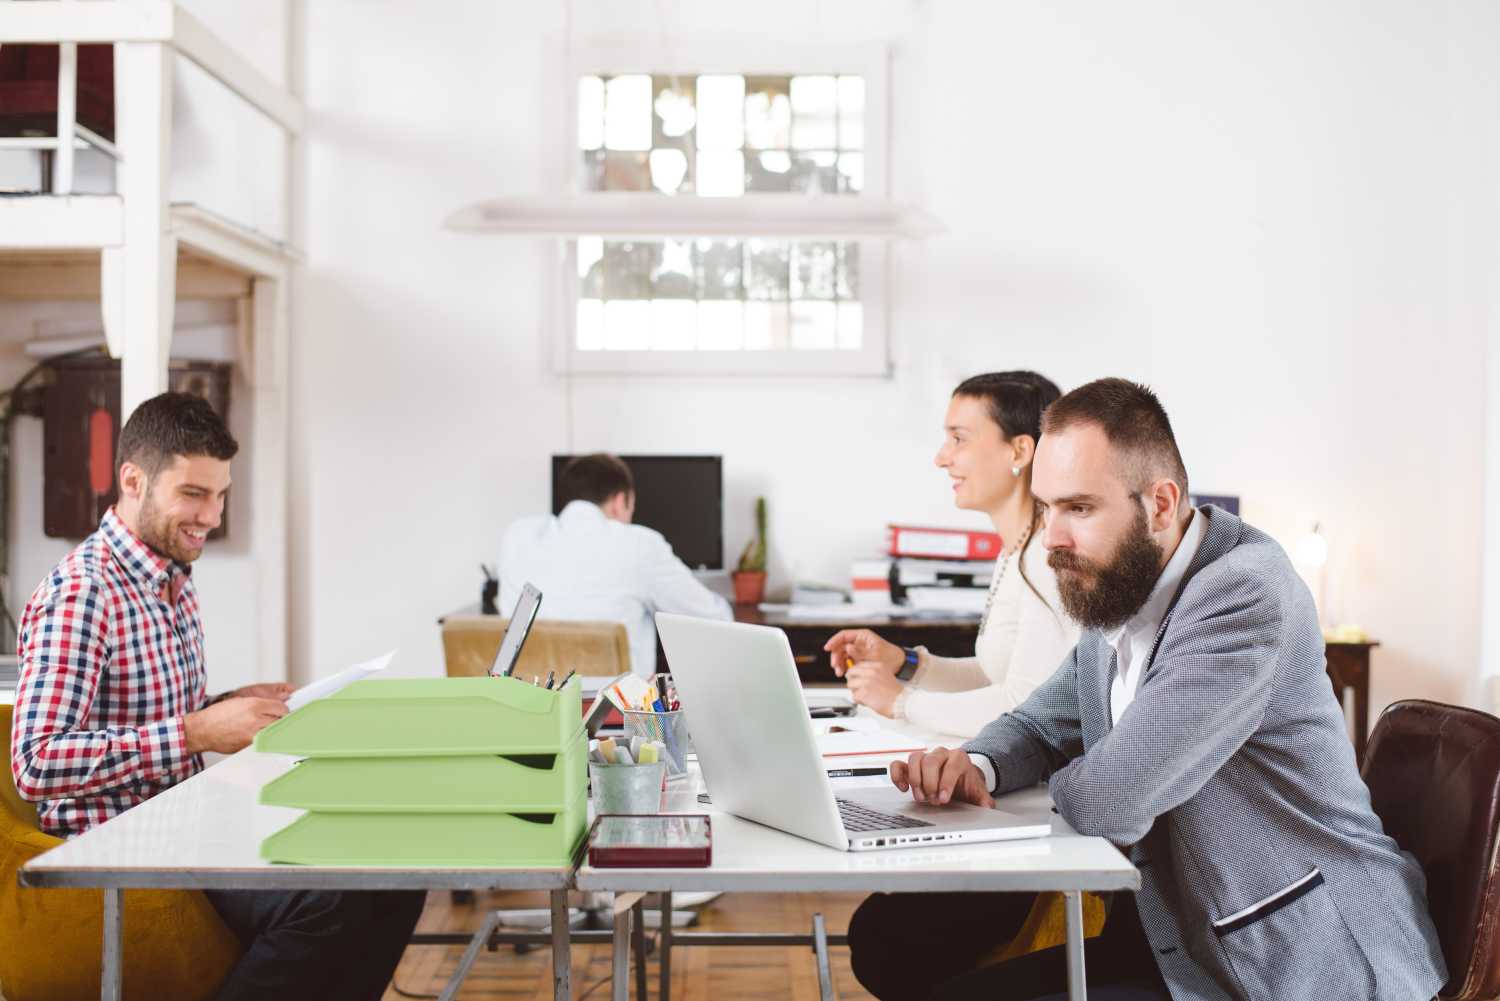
(759,756)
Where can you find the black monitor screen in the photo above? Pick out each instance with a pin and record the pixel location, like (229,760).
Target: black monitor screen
(681,496)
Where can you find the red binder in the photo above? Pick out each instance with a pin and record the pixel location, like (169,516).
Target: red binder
(942,543)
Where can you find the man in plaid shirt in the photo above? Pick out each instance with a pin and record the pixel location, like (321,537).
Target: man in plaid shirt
(111,706)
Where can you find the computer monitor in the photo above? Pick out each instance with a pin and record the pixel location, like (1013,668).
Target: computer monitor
(681,496)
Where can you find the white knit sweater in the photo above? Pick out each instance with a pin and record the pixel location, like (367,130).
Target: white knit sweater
(1022,643)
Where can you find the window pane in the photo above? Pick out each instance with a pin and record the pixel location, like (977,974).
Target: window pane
(720,135)
(669,169)
(627,112)
(616,171)
(768,112)
(674,114)
(851,112)
(627,326)
(765,326)
(848,285)
(768,171)
(627,270)
(769,267)
(851,326)
(674,325)
(719,265)
(814,326)
(814,112)
(815,172)
(721,174)
(721,124)
(590,325)
(590,112)
(814,270)
(852,173)
(673,276)
(721,326)
(590,267)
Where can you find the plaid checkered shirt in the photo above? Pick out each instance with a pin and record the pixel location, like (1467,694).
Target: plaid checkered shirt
(111,650)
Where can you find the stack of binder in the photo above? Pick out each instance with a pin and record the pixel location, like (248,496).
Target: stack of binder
(473,772)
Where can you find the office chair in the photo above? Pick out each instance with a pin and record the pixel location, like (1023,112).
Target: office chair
(175,945)
(1434,777)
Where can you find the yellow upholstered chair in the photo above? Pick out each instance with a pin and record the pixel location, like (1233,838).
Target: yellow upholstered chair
(591,648)
(50,947)
(1047,926)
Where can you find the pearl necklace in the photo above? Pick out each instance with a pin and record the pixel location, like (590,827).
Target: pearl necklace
(1000,575)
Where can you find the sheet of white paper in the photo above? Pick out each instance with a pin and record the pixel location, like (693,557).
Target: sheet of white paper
(592,683)
(877,742)
(858,724)
(321,689)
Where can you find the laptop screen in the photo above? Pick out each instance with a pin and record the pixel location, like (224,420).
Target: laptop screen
(521,618)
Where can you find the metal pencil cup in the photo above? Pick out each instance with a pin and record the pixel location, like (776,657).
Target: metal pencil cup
(627,788)
(670,728)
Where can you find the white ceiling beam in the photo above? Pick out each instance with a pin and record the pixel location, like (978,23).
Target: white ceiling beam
(44,222)
(100,21)
(193,40)
(648,215)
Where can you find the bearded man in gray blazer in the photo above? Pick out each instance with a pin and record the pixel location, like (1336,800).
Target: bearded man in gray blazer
(1194,726)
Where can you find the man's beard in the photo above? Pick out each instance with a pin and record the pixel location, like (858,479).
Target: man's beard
(1103,597)
(158,533)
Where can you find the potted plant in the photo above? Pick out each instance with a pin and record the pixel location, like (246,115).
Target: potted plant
(750,575)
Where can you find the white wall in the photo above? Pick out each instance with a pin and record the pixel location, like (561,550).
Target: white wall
(227,157)
(1282,216)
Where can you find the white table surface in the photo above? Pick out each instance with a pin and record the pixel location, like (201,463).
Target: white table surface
(206,833)
(753,858)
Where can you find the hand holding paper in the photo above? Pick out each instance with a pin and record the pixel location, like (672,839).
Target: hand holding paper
(321,689)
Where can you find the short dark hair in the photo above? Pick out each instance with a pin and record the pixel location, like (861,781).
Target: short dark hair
(595,478)
(1134,422)
(1015,400)
(170,425)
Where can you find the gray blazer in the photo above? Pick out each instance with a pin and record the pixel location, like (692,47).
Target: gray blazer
(1265,875)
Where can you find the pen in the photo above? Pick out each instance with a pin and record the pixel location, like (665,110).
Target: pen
(849,773)
(550,676)
(566,678)
(661,687)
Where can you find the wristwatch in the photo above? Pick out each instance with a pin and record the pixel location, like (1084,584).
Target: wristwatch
(913,660)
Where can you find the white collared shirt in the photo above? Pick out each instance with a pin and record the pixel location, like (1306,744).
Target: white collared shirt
(589,566)
(1132,640)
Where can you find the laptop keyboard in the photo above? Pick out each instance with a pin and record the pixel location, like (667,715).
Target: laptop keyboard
(862,818)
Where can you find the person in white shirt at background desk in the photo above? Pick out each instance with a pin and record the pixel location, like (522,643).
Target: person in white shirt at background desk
(990,435)
(592,563)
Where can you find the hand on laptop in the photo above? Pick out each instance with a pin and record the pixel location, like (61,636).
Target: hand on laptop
(941,776)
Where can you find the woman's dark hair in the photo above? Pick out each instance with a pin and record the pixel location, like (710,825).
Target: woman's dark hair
(1016,402)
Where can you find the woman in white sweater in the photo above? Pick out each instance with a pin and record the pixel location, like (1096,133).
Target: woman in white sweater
(990,434)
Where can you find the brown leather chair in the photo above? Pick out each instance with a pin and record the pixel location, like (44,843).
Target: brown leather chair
(1434,777)
(591,648)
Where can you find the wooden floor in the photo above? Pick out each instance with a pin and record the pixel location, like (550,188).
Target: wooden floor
(699,973)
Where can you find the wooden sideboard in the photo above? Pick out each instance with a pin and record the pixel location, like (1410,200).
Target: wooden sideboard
(1348,663)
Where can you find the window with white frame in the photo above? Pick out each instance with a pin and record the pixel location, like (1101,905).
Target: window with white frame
(723,128)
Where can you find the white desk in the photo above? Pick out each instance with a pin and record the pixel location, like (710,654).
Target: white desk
(206,834)
(754,859)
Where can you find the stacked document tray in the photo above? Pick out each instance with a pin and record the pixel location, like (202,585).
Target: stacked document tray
(473,772)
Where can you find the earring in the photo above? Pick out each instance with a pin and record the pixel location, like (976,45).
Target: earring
(1015,470)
